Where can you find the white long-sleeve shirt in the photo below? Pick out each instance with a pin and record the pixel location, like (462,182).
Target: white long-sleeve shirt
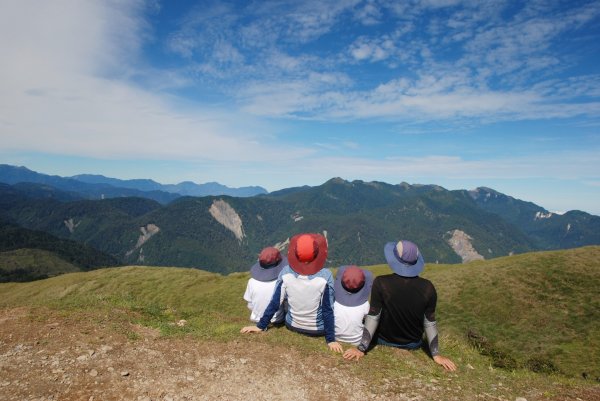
(258,295)
(349,322)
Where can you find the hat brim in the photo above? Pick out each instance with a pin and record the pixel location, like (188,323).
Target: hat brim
(402,269)
(307,269)
(346,298)
(267,274)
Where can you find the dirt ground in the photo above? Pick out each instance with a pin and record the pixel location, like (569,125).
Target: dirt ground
(58,357)
(55,358)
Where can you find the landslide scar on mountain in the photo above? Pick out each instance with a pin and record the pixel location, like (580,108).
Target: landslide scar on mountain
(461,243)
(282,245)
(147,232)
(227,216)
(71,225)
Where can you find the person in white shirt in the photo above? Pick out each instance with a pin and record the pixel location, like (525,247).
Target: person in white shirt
(261,284)
(307,287)
(352,288)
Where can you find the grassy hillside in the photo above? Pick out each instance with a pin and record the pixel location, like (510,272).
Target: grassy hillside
(32,264)
(32,255)
(536,312)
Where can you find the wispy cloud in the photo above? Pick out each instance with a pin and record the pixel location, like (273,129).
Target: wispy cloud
(431,169)
(64,89)
(489,61)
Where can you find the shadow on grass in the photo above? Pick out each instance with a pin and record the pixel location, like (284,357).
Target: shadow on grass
(504,360)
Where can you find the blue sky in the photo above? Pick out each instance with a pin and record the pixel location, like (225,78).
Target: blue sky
(461,94)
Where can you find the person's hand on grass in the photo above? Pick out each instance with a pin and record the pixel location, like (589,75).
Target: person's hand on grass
(250,329)
(335,347)
(353,353)
(445,362)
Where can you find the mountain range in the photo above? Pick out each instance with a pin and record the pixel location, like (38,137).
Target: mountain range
(90,186)
(225,233)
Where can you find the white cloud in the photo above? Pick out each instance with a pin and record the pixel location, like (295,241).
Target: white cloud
(430,98)
(64,78)
(502,70)
(433,168)
(372,51)
(369,13)
(63,90)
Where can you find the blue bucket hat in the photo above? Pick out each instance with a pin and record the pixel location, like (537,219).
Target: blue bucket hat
(352,285)
(404,258)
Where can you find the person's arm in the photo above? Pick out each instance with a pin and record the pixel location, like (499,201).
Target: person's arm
(329,319)
(371,323)
(432,339)
(431,332)
(432,336)
(273,307)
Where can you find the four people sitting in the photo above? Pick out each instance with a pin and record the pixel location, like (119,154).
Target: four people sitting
(401,310)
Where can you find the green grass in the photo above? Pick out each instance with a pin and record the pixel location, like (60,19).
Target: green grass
(506,318)
(32,264)
(540,309)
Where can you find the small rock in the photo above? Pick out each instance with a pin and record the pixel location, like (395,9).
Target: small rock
(182,323)
(111,369)
(93,373)
(520,399)
(91,352)
(243,361)
(82,358)
(124,373)
(433,381)
(470,367)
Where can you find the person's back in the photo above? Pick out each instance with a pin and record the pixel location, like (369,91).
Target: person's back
(261,285)
(402,307)
(306,296)
(258,294)
(405,301)
(307,289)
(352,288)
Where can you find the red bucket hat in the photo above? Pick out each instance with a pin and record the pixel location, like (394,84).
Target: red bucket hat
(307,253)
(269,265)
(352,285)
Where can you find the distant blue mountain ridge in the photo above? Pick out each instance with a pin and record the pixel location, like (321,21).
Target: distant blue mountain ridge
(185,188)
(91,186)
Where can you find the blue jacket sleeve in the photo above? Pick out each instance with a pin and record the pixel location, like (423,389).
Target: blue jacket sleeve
(328,317)
(273,307)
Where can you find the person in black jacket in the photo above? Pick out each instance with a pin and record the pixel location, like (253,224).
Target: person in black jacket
(402,307)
